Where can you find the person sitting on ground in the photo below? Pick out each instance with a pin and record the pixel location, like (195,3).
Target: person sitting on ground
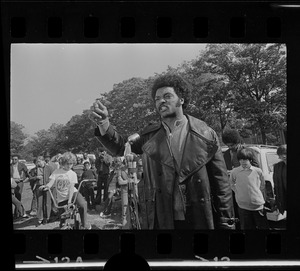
(64,180)
(87,189)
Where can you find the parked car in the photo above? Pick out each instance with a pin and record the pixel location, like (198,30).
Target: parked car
(267,157)
(90,155)
(29,165)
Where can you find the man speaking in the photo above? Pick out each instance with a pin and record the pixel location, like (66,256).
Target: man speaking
(185,182)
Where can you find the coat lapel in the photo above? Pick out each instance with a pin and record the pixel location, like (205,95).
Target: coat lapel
(157,148)
(198,150)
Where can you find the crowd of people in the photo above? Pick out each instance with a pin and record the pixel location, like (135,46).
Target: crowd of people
(175,177)
(186,183)
(62,175)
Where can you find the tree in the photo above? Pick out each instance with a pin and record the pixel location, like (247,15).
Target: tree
(130,105)
(17,137)
(255,76)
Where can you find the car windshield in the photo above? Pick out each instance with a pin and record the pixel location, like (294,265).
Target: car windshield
(272,158)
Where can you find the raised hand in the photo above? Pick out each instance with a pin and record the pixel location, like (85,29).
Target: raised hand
(98,112)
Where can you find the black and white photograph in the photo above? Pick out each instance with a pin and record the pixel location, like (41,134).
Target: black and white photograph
(152,136)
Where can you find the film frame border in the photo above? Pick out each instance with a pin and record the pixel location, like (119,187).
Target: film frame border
(53,25)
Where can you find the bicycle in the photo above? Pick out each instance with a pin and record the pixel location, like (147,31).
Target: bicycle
(71,211)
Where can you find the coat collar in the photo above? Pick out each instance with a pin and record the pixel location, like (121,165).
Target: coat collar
(198,150)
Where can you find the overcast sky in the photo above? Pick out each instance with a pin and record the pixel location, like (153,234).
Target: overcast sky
(50,83)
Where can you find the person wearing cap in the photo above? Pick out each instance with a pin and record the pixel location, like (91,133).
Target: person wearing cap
(185,181)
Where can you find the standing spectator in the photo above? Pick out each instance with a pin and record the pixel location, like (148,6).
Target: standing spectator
(234,142)
(44,201)
(55,161)
(249,186)
(64,180)
(93,166)
(19,172)
(20,211)
(78,168)
(185,182)
(33,184)
(86,158)
(88,188)
(48,160)
(232,139)
(123,179)
(279,178)
(103,169)
(112,186)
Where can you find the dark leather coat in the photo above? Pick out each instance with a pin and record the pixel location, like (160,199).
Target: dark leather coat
(203,171)
(280,190)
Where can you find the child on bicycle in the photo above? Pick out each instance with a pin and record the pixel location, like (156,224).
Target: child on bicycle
(64,180)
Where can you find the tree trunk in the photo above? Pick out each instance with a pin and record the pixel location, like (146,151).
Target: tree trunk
(263,132)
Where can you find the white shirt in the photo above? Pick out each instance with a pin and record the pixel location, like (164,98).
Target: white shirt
(62,180)
(16,174)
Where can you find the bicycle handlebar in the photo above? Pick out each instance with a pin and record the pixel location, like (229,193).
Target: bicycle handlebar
(73,202)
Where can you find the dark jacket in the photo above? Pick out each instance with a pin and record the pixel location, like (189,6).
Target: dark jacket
(105,167)
(203,171)
(280,191)
(34,181)
(23,171)
(235,163)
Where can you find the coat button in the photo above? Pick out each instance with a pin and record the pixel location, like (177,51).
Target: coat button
(202,200)
(199,181)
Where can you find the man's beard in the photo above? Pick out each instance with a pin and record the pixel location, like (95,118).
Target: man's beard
(173,114)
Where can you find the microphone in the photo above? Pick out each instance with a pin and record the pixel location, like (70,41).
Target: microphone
(133,138)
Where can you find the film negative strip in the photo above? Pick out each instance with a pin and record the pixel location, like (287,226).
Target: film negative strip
(91,23)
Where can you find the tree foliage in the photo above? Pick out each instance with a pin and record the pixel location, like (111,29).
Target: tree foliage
(240,86)
(17,137)
(248,81)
